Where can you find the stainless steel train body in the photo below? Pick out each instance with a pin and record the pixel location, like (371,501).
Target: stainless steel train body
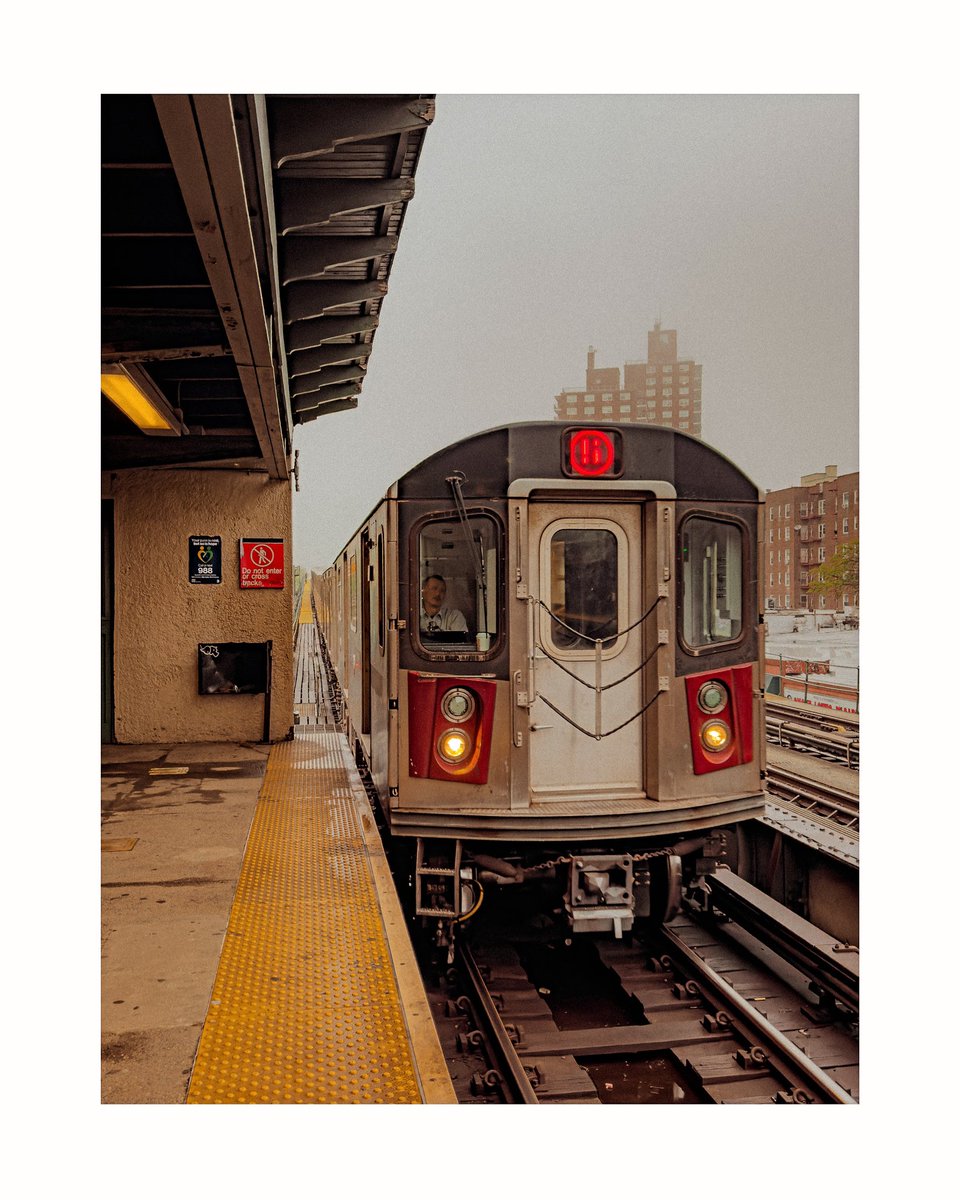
(601,711)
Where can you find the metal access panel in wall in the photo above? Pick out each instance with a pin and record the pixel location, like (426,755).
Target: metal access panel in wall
(233,668)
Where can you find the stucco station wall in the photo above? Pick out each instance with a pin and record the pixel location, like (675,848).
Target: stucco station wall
(160,617)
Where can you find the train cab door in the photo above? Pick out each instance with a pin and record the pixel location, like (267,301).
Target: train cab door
(585,643)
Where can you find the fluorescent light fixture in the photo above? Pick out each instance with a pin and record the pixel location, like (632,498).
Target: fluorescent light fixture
(132,390)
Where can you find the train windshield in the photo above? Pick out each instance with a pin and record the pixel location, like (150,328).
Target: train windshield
(458,585)
(712,582)
(583,587)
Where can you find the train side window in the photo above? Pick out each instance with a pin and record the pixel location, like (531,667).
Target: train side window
(712,562)
(457,589)
(584,588)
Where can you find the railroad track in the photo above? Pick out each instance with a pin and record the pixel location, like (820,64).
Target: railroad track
(835,739)
(697,1012)
(815,718)
(832,806)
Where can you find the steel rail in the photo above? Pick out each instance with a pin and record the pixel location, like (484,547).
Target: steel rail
(816,718)
(833,968)
(809,811)
(791,734)
(749,1015)
(504,1047)
(806,793)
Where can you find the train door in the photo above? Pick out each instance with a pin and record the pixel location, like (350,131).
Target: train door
(585,642)
(377,637)
(366,585)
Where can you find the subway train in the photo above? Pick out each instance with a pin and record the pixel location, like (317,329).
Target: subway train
(547,643)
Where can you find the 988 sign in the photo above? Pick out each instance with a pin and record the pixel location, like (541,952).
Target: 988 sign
(205,560)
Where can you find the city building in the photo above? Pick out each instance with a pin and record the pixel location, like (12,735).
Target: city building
(663,390)
(803,528)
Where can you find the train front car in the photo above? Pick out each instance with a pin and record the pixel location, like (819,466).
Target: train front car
(575,693)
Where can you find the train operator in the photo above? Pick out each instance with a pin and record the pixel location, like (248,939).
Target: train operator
(434,615)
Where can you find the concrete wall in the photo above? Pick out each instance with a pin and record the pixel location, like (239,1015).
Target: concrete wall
(160,617)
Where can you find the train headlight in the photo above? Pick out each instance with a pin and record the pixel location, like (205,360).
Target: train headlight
(457,705)
(454,746)
(712,697)
(715,736)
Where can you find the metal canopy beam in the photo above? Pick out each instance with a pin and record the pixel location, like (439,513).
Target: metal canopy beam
(311,397)
(145,338)
(307,257)
(247,242)
(306,361)
(201,136)
(307,300)
(329,375)
(308,203)
(304,335)
(133,451)
(310,414)
(305,128)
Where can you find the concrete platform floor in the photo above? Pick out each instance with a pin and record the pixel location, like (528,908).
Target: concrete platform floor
(174,824)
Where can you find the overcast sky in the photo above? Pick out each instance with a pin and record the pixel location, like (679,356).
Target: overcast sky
(542,225)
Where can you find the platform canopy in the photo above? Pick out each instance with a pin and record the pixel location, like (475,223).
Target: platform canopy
(247,243)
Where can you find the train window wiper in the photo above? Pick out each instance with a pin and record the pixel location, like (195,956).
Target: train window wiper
(479,566)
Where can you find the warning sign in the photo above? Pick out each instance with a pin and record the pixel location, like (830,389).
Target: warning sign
(261,562)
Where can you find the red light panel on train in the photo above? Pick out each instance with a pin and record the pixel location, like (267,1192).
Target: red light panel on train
(720,711)
(592,453)
(447,741)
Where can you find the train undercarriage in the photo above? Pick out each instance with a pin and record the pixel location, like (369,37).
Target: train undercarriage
(606,889)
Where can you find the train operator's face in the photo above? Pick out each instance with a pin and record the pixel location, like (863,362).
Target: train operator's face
(433,592)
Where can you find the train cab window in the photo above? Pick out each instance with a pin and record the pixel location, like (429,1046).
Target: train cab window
(585,587)
(458,585)
(712,553)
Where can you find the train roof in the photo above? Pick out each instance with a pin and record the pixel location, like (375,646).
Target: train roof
(490,461)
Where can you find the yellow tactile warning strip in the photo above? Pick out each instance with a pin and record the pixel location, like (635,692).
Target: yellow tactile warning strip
(306,612)
(306,1007)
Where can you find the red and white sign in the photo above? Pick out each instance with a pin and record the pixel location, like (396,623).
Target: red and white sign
(261,562)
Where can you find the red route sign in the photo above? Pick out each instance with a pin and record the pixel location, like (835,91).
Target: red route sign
(591,452)
(261,562)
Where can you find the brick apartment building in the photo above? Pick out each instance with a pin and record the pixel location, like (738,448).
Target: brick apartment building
(664,390)
(803,528)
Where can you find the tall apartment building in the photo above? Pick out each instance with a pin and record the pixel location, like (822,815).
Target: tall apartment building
(803,526)
(664,390)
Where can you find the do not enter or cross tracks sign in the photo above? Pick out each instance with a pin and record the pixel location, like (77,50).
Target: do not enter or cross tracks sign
(261,562)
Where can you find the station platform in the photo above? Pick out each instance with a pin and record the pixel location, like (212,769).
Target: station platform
(253,946)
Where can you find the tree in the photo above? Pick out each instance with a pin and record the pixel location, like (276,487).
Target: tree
(840,574)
